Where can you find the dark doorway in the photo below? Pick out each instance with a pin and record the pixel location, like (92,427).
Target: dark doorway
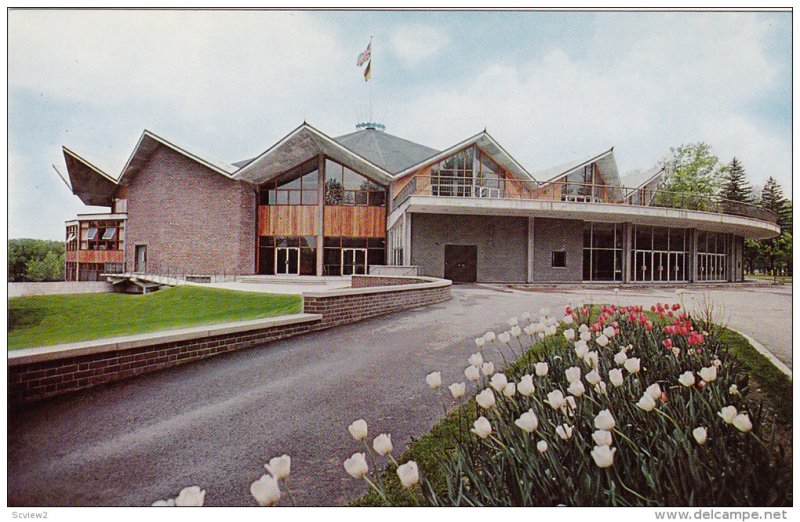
(140,259)
(461,263)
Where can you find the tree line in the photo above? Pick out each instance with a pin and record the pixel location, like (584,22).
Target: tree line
(694,169)
(35,260)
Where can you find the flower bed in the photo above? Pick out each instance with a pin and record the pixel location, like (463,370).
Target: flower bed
(617,407)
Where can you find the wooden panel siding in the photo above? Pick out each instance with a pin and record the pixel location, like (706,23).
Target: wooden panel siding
(287,220)
(101,256)
(355,221)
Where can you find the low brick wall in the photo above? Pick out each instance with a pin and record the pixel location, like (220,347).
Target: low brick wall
(343,306)
(365,281)
(37,373)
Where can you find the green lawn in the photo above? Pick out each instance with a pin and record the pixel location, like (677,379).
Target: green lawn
(55,319)
(769,279)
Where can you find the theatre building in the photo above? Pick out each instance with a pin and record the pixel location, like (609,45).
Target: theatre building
(368,201)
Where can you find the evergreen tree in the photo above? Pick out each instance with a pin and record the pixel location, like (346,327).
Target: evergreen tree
(735,186)
(772,198)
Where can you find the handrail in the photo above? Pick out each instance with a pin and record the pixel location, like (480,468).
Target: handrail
(564,191)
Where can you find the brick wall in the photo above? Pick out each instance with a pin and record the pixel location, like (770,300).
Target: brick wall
(190,217)
(360,281)
(62,373)
(349,308)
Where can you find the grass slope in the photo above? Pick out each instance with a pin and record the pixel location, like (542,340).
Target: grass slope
(55,319)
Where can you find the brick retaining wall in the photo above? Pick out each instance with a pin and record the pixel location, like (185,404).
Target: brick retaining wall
(365,281)
(37,373)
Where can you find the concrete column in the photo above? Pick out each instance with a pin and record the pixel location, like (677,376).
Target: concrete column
(627,252)
(530,249)
(320,214)
(407,239)
(693,254)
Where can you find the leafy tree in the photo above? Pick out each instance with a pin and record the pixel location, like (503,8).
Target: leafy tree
(692,174)
(50,268)
(20,251)
(735,186)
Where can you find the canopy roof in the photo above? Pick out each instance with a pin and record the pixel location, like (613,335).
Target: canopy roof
(91,184)
(639,179)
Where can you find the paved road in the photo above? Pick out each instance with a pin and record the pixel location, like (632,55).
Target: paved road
(215,423)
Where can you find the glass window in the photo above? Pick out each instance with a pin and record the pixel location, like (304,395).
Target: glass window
(558,259)
(91,233)
(344,186)
(660,238)
(643,239)
(109,233)
(677,240)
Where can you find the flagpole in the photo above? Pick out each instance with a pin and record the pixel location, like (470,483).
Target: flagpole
(369,87)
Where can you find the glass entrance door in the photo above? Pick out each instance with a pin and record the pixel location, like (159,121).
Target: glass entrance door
(287,260)
(354,261)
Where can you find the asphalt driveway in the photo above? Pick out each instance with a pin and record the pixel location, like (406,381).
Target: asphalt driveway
(214,423)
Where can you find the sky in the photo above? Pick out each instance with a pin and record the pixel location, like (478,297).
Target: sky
(549,86)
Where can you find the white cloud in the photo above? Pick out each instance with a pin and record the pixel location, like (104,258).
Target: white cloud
(414,44)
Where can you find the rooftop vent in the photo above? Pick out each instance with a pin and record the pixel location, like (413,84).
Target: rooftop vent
(370,125)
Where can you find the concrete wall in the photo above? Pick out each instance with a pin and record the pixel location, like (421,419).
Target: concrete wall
(557,234)
(190,217)
(58,287)
(502,244)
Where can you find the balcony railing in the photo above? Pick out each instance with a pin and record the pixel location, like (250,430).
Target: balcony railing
(458,187)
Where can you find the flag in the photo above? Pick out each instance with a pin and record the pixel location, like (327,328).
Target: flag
(363,57)
(368,71)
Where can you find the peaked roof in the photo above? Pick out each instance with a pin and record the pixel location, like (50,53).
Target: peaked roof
(91,184)
(389,152)
(608,167)
(638,179)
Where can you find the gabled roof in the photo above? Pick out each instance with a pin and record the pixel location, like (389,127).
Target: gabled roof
(485,142)
(300,145)
(389,152)
(150,141)
(91,184)
(638,179)
(608,166)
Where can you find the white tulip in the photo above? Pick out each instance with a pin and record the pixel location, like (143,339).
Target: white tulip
(504,337)
(709,374)
(564,431)
(458,389)
(551,330)
(481,427)
(646,403)
(192,496)
(591,359)
(279,467)
(576,388)
(358,429)
(541,369)
(654,391)
(472,373)
(528,421)
(510,390)
(408,473)
(700,435)
(541,446)
(487,368)
(603,456)
(567,319)
(489,336)
(170,502)
(480,341)
(620,358)
(476,359)
(266,491)
(583,328)
(602,340)
(676,351)
(733,389)
(383,444)
(530,330)
(498,382)
(516,331)
(585,336)
(728,413)
(602,438)
(356,466)
(742,423)
(633,365)
(513,321)
(609,332)
(601,388)
(571,403)
(604,421)
(569,334)
(686,379)
(526,316)
(485,399)
(581,349)
(593,377)
(615,376)
(555,399)
(434,379)
(572,374)
(525,386)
